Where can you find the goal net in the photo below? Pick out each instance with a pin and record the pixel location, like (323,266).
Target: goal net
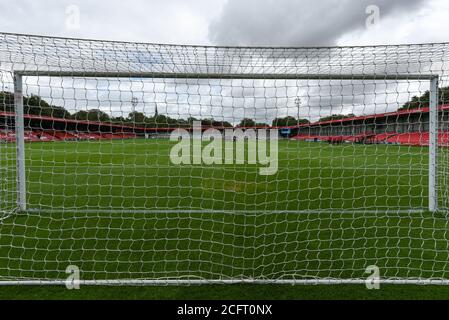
(157,164)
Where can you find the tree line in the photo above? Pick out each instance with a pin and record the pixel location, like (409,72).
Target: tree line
(422,101)
(35,105)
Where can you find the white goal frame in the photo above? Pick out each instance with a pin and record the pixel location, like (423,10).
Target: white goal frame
(21,172)
(433,109)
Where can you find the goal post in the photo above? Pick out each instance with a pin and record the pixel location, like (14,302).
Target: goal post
(20,143)
(433,143)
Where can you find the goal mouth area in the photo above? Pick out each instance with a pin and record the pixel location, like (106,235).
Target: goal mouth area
(433,142)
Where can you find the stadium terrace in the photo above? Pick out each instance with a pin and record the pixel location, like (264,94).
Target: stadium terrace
(405,127)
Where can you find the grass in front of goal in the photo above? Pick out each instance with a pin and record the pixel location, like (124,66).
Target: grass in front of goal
(351,197)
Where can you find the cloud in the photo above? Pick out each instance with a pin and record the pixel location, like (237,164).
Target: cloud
(418,26)
(174,21)
(232,22)
(297,23)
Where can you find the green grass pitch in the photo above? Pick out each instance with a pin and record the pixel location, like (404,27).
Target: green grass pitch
(253,231)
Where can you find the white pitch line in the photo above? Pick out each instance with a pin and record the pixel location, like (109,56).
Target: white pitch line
(183,281)
(205,211)
(84,166)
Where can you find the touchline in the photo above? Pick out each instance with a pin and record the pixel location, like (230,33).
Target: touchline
(251,147)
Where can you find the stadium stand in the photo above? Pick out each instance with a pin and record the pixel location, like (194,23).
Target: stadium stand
(404,127)
(380,138)
(48,129)
(7,136)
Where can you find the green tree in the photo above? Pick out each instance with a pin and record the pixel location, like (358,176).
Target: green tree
(80,115)
(33,105)
(337,117)
(6,101)
(92,115)
(119,119)
(422,101)
(288,121)
(137,117)
(98,115)
(247,122)
(59,112)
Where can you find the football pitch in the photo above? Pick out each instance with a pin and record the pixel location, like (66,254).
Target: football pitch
(121,210)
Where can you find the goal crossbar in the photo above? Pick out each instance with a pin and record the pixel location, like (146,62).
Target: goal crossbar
(237,76)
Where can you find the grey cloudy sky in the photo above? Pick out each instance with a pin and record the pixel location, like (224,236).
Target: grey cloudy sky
(299,23)
(236,22)
(233,22)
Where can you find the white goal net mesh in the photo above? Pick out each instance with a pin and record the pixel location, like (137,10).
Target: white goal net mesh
(148,162)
